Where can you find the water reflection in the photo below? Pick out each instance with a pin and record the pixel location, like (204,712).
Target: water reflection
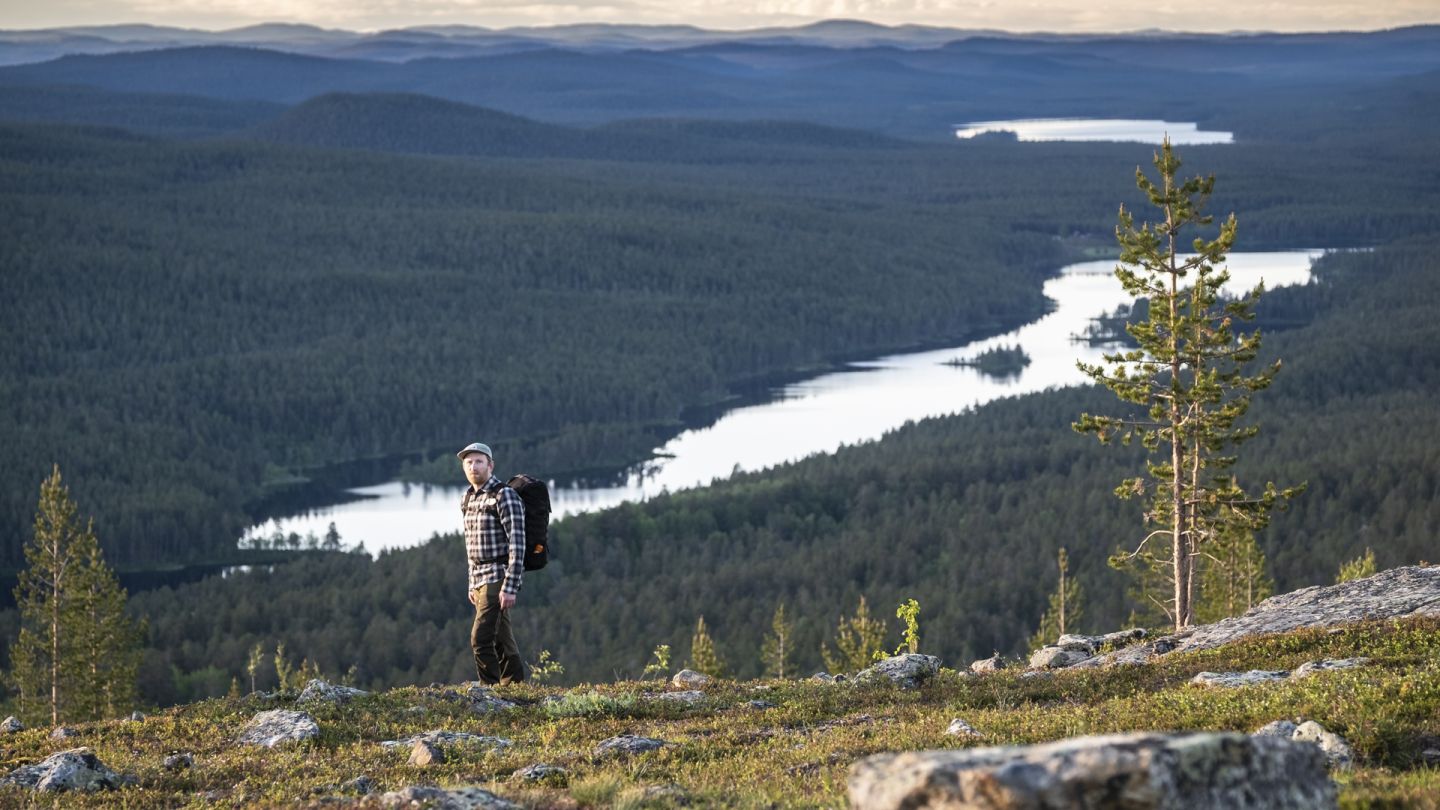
(1095,129)
(814,416)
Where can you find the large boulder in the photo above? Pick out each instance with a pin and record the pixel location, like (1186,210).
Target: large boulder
(1140,771)
(77,769)
(277,727)
(1057,658)
(689,679)
(1409,591)
(905,671)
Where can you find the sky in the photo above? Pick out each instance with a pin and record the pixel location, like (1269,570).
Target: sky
(1010,15)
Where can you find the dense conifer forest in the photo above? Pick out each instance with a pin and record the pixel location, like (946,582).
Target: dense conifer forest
(212,297)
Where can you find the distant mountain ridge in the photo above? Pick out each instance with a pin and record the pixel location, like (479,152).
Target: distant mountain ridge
(404,44)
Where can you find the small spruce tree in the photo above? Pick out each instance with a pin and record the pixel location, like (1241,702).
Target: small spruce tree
(703,656)
(1358,568)
(1067,605)
(857,639)
(778,648)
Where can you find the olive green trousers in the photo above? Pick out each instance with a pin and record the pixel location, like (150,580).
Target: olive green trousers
(497,659)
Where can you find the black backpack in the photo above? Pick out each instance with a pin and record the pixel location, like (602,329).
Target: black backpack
(536,497)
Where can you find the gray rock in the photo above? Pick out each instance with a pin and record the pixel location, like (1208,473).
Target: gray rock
(359,786)
(278,726)
(318,691)
(77,769)
(691,698)
(64,733)
(905,671)
(446,739)
(1056,658)
(137,717)
(628,745)
(1094,644)
(994,663)
(1140,771)
(1284,729)
(424,753)
(1408,591)
(1141,653)
(1234,679)
(960,728)
(689,679)
(179,761)
(825,677)
(1337,752)
(483,700)
(539,772)
(1310,668)
(1430,756)
(1036,673)
(11,725)
(759,704)
(433,798)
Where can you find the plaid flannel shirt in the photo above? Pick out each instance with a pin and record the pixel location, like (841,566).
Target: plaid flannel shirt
(494,527)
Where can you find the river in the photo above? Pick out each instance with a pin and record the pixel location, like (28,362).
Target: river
(818,415)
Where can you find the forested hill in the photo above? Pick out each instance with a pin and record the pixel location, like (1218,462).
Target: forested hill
(915,92)
(963,514)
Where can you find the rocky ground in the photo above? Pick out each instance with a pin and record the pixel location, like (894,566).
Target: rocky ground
(1343,708)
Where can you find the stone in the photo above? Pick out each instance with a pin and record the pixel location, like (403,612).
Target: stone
(994,663)
(1430,756)
(825,677)
(277,727)
(1284,729)
(11,725)
(1328,665)
(64,733)
(179,761)
(360,786)
(691,698)
(1337,751)
(75,770)
(960,728)
(318,691)
(137,717)
(1035,673)
(907,671)
(1056,658)
(483,700)
(433,798)
(425,753)
(1234,679)
(1138,771)
(689,679)
(540,772)
(628,745)
(759,705)
(446,739)
(1135,654)
(1408,591)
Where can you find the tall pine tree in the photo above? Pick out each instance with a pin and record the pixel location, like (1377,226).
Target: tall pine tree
(1188,375)
(78,650)
(703,655)
(779,646)
(1067,605)
(857,639)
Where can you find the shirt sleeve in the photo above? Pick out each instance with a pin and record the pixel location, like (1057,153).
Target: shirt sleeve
(512,518)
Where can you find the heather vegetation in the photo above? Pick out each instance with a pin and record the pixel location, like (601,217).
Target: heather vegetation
(792,748)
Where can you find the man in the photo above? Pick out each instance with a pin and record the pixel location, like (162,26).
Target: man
(495,549)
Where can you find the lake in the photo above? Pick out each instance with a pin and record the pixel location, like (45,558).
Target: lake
(1096,129)
(817,415)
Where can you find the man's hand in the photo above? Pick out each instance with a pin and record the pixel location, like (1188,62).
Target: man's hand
(507,600)
(471,596)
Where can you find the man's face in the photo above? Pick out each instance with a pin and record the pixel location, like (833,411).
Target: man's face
(478,467)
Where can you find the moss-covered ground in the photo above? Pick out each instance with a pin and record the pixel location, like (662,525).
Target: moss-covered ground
(773,743)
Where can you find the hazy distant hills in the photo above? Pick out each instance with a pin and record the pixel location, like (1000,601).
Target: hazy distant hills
(911,83)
